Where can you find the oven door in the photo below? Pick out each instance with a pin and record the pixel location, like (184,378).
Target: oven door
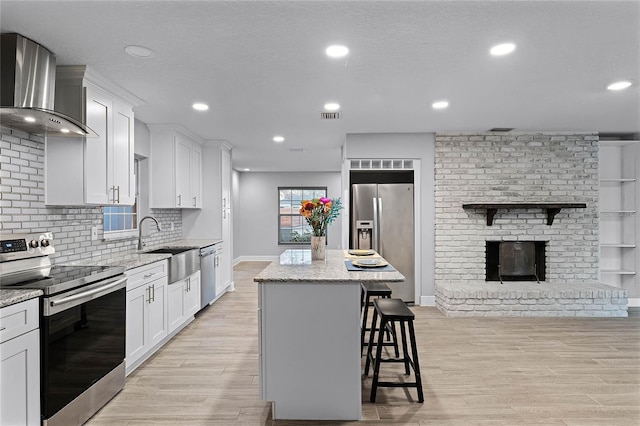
(83,339)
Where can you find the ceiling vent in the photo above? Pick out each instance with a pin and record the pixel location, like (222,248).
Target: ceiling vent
(296,149)
(501,129)
(330,115)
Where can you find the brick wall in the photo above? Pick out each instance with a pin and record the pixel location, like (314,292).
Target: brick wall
(516,167)
(22,206)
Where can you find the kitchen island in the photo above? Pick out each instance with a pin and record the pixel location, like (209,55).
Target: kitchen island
(309,335)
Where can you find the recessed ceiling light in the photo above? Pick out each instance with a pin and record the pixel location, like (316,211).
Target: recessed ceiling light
(139,51)
(337,51)
(619,85)
(278,138)
(440,105)
(200,106)
(502,49)
(30,119)
(332,106)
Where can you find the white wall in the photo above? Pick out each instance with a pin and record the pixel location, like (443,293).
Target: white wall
(255,214)
(417,146)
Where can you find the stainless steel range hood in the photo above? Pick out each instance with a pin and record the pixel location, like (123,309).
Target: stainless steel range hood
(27,90)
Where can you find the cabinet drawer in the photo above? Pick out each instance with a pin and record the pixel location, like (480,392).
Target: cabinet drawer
(18,319)
(145,274)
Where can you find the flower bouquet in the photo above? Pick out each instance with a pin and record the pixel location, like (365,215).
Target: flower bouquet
(320,213)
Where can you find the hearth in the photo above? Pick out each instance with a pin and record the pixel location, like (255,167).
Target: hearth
(515,261)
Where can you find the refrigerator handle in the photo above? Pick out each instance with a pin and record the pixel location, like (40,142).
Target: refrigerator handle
(374,240)
(379,227)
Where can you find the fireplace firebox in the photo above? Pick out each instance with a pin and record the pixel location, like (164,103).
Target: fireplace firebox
(515,261)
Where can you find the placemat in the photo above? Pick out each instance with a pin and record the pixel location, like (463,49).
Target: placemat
(351,267)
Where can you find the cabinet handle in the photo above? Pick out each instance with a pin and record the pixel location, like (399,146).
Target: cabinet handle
(149,294)
(224,203)
(153,293)
(149,275)
(3,328)
(118,194)
(179,199)
(195,201)
(224,213)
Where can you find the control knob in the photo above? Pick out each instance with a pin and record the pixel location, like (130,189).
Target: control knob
(33,244)
(44,243)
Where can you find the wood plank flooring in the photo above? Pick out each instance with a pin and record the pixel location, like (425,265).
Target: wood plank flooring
(495,371)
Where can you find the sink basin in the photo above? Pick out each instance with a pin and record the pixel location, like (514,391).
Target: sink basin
(170,250)
(183,262)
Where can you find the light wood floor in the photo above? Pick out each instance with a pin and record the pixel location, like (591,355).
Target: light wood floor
(510,371)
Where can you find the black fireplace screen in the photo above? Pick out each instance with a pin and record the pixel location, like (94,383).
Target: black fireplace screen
(515,261)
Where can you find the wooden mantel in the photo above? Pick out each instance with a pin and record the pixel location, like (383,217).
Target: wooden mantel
(551,208)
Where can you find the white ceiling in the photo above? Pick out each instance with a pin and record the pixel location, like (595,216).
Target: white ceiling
(261,66)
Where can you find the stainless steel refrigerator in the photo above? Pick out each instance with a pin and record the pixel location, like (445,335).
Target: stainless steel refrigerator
(382,219)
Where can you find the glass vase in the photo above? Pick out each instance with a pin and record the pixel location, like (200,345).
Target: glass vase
(318,247)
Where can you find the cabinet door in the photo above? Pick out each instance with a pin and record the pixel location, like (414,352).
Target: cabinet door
(175,304)
(137,333)
(182,173)
(99,108)
(196,178)
(220,276)
(157,312)
(20,384)
(121,156)
(192,295)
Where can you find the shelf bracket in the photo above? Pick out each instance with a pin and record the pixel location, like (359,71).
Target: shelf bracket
(551,214)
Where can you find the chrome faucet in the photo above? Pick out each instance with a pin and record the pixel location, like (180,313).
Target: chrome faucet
(158,226)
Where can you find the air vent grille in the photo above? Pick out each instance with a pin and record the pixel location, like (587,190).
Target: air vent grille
(381,164)
(330,115)
(296,149)
(501,129)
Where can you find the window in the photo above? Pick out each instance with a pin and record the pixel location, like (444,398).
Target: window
(122,221)
(292,226)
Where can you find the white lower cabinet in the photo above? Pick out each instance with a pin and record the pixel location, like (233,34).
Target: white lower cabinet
(147,321)
(20,364)
(183,301)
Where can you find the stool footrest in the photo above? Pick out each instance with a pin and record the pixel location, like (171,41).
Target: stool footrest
(398,384)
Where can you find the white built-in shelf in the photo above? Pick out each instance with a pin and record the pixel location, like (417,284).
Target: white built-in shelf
(617,272)
(610,245)
(621,180)
(618,143)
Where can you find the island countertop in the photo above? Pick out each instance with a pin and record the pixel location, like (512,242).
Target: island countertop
(297,266)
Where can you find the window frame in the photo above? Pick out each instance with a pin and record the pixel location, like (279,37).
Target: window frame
(297,214)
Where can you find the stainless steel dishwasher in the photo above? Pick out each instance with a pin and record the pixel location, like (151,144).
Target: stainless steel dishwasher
(208,274)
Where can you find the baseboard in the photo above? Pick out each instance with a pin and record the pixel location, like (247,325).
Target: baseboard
(427,301)
(633,302)
(255,259)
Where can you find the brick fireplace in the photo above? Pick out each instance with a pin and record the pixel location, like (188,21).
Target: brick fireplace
(529,172)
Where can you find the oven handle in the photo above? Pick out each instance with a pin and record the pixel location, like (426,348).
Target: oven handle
(54,305)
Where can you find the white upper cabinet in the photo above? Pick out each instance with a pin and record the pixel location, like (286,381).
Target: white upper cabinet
(176,168)
(92,170)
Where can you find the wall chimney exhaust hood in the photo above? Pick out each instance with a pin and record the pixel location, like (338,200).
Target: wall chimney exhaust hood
(27,90)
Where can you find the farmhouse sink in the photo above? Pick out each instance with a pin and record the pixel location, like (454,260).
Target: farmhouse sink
(183,262)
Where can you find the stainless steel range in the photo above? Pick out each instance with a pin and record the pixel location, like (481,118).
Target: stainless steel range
(82,326)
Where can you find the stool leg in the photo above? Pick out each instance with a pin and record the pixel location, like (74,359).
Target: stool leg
(416,364)
(365,313)
(405,349)
(395,338)
(372,334)
(376,363)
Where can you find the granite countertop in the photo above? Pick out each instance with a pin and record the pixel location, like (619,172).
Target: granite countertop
(11,297)
(296,266)
(133,259)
